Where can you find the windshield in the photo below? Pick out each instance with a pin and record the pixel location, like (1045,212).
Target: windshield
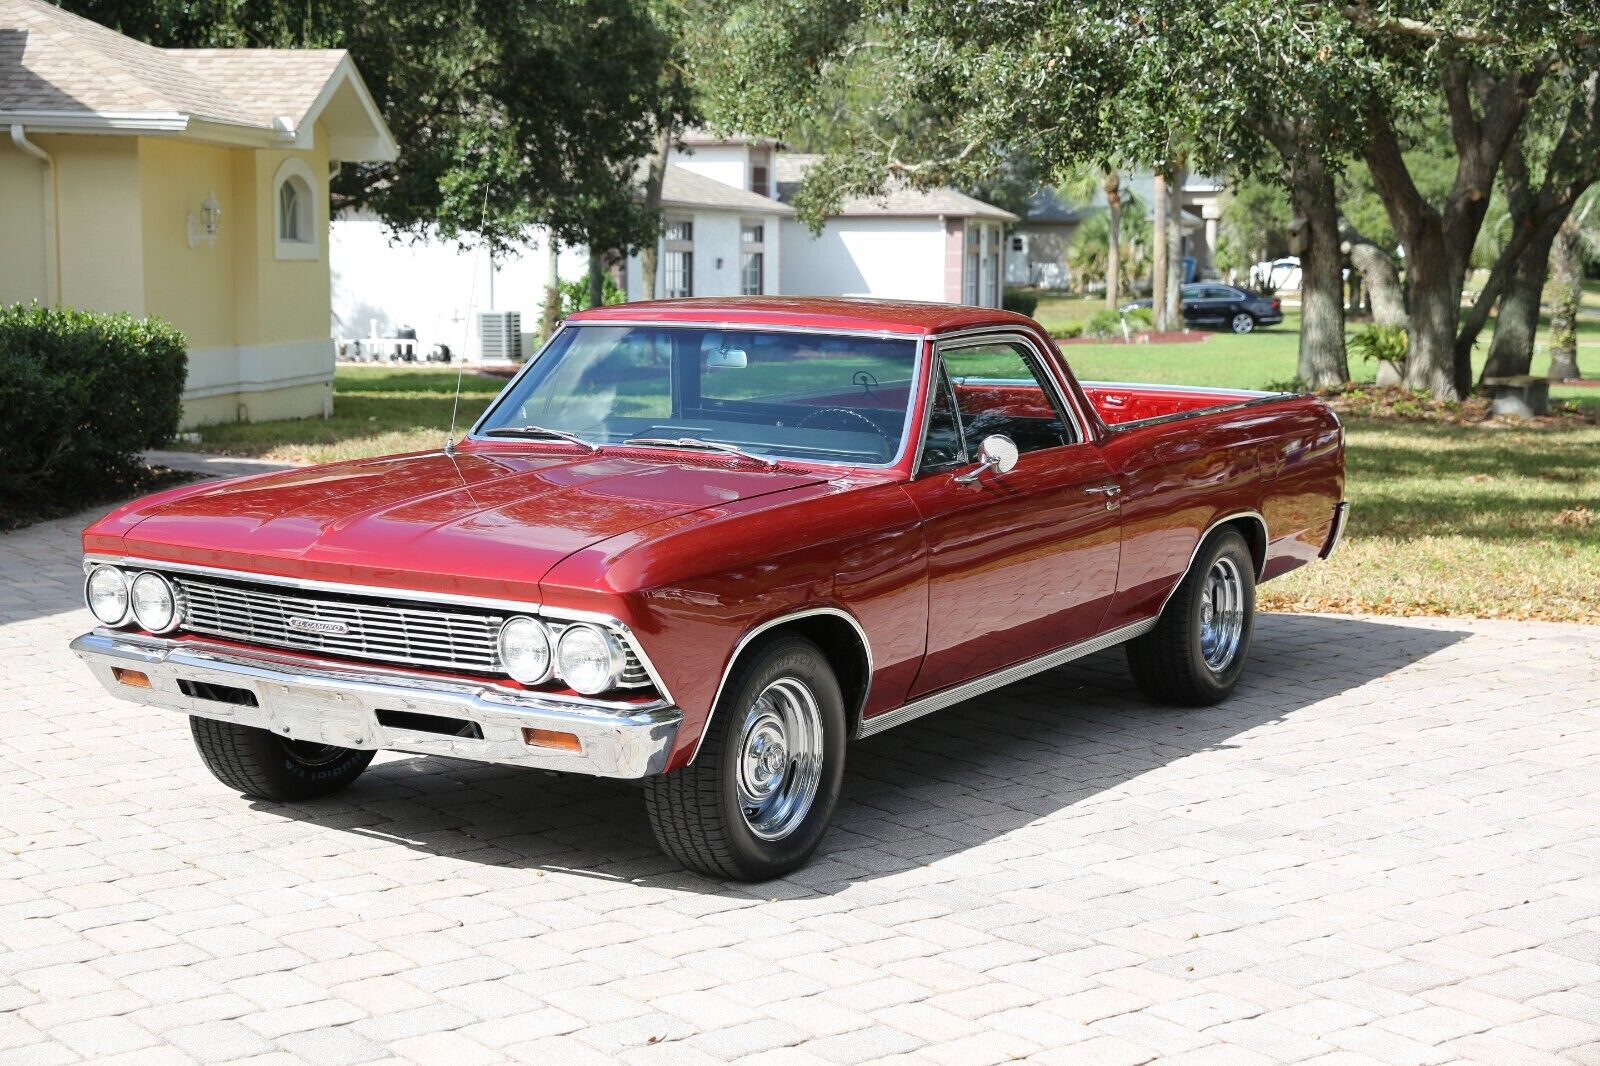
(818,397)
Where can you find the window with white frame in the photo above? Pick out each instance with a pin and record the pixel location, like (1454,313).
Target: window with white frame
(752,256)
(677,258)
(970,274)
(294,213)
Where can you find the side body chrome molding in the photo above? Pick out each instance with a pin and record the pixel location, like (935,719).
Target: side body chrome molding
(938,701)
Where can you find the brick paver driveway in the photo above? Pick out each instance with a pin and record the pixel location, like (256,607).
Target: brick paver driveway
(1384,849)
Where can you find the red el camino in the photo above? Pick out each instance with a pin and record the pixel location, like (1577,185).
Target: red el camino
(706,543)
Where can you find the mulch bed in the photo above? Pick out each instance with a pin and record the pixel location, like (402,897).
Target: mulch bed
(1371,401)
(1183,336)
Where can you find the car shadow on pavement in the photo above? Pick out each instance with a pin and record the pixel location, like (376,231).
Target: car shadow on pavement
(913,795)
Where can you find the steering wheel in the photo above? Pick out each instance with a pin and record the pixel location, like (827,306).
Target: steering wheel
(821,412)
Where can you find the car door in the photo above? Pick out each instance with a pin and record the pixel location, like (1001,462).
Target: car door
(1020,563)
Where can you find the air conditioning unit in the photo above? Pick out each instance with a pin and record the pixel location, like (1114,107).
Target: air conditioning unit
(499,337)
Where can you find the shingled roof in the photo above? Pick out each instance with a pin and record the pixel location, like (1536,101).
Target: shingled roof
(897,201)
(63,73)
(682,187)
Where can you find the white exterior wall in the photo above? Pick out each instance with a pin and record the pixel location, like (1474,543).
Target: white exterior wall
(729,164)
(433,285)
(717,236)
(890,258)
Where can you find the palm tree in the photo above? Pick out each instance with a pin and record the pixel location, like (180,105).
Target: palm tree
(1578,234)
(1121,261)
(1080,187)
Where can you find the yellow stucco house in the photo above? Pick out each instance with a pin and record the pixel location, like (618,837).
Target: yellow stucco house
(186,183)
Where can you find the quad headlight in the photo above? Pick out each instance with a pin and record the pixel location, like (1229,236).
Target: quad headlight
(106,592)
(589,659)
(155,604)
(525,650)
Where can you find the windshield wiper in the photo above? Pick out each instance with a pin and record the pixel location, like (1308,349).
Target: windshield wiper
(703,445)
(540,431)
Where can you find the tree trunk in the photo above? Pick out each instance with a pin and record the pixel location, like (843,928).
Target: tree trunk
(649,254)
(597,276)
(1113,187)
(1511,350)
(1435,308)
(1158,251)
(1375,266)
(1322,361)
(552,290)
(1175,249)
(1567,275)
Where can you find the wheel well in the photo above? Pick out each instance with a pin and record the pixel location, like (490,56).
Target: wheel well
(841,645)
(1254,531)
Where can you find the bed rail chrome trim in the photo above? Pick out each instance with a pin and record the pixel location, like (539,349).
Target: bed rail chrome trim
(938,701)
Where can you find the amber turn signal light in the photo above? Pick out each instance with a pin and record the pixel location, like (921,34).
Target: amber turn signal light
(136,678)
(551,738)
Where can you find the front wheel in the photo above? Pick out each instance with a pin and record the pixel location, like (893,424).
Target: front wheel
(258,762)
(1243,323)
(1195,654)
(757,799)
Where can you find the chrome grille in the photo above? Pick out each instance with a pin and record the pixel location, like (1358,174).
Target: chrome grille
(377,629)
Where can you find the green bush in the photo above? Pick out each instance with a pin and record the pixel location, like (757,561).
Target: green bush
(1140,318)
(1106,323)
(575,294)
(1069,329)
(81,395)
(1381,342)
(1022,301)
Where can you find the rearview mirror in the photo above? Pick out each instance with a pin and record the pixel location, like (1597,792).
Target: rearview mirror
(727,359)
(998,452)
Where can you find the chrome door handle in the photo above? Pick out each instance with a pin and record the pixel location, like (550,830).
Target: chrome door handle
(1103,490)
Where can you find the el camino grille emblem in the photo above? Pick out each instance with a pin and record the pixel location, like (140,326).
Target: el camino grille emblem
(318,625)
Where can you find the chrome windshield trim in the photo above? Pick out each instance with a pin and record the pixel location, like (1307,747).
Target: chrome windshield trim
(476,433)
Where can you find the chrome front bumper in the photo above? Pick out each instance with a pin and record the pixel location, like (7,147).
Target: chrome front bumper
(358,707)
(1341,517)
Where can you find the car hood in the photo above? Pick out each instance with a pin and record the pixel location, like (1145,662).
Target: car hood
(475,523)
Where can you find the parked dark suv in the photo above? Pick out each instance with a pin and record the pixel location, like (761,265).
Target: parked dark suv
(1211,303)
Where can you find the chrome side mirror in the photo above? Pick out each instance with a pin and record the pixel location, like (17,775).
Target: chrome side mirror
(998,452)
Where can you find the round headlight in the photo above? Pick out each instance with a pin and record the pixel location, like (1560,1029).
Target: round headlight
(107,595)
(525,650)
(589,659)
(155,607)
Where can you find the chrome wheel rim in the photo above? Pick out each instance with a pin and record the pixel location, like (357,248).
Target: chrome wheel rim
(779,758)
(1243,323)
(1221,614)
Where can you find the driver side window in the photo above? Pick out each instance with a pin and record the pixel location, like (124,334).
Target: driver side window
(999,389)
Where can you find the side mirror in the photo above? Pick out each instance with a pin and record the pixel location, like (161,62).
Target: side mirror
(998,452)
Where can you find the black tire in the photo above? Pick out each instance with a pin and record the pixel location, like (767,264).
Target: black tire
(696,811)
(1169,663)
(260,763)
(1242,322)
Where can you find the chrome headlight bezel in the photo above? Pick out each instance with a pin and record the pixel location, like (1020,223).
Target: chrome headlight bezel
(127,594)
(615,658)
(526,677)
(174,602)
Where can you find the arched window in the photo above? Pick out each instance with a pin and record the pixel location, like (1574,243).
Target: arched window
(295,211)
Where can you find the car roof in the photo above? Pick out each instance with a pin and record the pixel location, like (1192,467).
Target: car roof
(817,312)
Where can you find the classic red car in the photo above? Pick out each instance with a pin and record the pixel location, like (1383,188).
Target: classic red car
(706,543)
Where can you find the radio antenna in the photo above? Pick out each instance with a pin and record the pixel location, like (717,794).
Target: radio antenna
(466,336)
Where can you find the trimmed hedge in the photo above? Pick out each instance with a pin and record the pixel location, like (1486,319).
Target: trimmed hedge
(1022,301)
(81,395)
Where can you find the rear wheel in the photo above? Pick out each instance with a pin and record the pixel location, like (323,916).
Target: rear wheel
(1196,652)
(1243,322)
(757,799)
(258,762)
